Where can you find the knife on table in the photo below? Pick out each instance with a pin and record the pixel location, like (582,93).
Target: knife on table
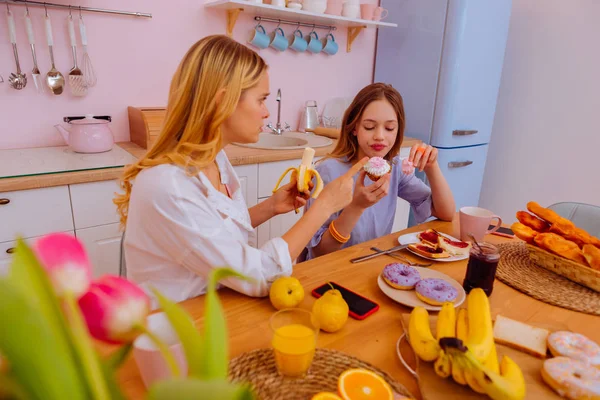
(381,253)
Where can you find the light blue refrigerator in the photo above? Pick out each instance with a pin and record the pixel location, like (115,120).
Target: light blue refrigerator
(446,58)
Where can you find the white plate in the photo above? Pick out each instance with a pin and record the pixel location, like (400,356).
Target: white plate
(413,238)
(409,297)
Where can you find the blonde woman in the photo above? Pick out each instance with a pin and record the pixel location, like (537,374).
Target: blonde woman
(183,209)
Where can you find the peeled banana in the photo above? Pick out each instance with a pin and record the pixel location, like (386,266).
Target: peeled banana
(421,339)
(508,384)
(304,174)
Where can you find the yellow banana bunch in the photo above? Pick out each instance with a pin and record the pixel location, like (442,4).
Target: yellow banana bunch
(469,354)
(304,174)
(507,384)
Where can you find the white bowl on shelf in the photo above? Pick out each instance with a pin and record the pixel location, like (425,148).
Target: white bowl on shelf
(294,6)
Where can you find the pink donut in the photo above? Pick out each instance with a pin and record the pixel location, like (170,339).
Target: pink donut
(435,291)
(401,276)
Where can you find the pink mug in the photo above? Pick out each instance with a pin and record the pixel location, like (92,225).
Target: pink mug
(149,359)
(367,11)
(475,221)
(379,13)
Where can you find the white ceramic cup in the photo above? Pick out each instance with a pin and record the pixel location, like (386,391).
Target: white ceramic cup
(278,3)
(149,359)
(351,10)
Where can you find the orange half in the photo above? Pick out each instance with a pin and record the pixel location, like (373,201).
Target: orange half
(326,396)
(361,384)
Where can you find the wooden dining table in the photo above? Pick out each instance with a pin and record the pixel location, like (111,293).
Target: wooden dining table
(374,338)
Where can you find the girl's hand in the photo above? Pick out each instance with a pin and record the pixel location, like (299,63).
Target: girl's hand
(287,198)
(366,196)
(423,156)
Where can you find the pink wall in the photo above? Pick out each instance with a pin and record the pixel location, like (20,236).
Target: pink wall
(135,59)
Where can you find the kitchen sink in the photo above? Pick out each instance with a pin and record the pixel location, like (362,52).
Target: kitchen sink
(287,141)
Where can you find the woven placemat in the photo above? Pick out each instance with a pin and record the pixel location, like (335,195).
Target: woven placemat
(516,270)
(257,367)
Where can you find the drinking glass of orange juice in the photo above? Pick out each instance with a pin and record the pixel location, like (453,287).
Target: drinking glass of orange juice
(294,341)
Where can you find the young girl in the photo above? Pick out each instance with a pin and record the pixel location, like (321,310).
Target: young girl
(183,207)
(373,125)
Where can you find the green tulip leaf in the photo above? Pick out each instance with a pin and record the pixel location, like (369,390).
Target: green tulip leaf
(119,356)
(215,345)
(38,358)
(194,389)
(186,331)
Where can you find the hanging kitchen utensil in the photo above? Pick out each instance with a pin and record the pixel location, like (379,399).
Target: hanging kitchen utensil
(89,75)
(54,79)
(76,81)
(35,72)
(19,80)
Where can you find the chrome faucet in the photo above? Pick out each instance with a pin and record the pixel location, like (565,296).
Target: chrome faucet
(278,129)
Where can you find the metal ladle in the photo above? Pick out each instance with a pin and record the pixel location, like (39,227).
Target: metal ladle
(19,80)
(54,79)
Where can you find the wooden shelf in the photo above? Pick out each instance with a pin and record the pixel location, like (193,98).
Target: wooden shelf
(234,7)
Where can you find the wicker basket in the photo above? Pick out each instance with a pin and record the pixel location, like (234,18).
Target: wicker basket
(571,270)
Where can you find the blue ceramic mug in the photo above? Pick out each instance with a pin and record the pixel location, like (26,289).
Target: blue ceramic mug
(314,44)
(259,38)
(297,41)
(329,45)
(278,40)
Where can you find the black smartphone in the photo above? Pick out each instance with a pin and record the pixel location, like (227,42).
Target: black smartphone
(360,307)
(502,231)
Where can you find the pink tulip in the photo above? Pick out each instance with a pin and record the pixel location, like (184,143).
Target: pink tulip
(64,258)
(114,309)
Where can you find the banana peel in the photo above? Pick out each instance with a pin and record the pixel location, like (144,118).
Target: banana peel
(507,384)
(304,174)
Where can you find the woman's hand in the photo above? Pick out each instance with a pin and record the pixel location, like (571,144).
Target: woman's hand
(366,196)
(287,198)
(423,156)
(338,193)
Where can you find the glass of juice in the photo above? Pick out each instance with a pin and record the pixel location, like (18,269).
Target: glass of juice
(294,341)
(481,269)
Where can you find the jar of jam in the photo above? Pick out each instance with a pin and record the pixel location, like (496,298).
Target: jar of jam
(481,269)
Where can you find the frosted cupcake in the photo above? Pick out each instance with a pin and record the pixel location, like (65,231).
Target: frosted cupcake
(376,167)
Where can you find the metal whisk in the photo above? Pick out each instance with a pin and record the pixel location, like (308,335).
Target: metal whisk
(89,75)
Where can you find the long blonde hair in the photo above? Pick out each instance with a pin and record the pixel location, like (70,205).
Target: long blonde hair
(347,145)
(191,133)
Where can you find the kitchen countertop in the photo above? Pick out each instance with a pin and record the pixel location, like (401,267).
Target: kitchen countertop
(237,156)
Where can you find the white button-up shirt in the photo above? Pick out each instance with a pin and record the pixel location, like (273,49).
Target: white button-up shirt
(180,227)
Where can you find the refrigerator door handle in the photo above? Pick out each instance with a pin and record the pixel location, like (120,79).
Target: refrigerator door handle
(459,164)
(464,132)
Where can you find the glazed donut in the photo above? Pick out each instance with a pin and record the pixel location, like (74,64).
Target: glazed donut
(575,346)
(401,276)
(435,291)
(572,379)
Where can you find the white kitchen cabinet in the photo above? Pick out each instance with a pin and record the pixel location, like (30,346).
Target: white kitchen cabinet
(277,226)
(7,250)
(248,176)
(35,212)
(92,203)
(103,246)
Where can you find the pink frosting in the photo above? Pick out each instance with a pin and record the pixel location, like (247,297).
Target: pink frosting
(377,166)
(407,167)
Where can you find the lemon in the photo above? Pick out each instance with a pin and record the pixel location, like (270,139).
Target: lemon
(331,310)
(286,292)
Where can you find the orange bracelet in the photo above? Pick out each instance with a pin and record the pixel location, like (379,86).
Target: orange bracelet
(336,235)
